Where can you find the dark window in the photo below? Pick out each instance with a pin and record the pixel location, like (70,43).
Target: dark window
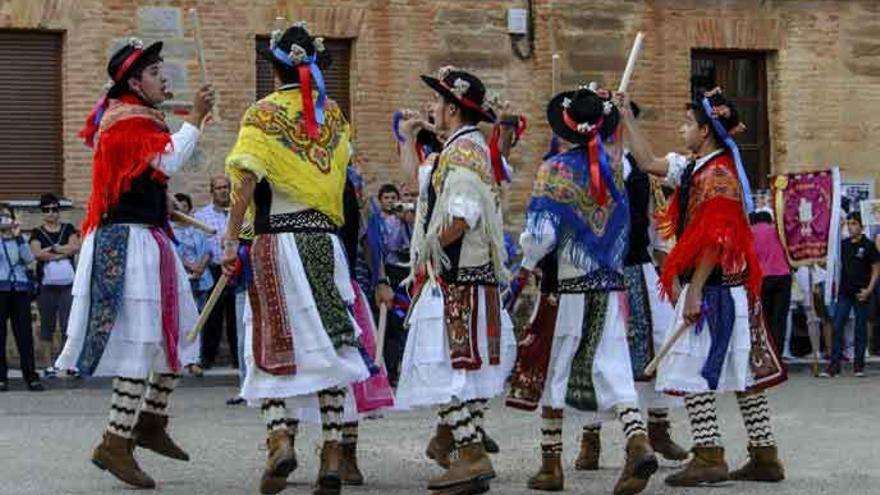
(743,77)
(337,78)
(30,103)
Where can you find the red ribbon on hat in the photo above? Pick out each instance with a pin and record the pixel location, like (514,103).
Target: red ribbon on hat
(129,61)
(597,185)
(305,80)
(495,154)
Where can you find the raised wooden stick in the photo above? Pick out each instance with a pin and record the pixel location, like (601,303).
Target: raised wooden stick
(209,306)
(197,33)
(180,217)
(380,335)
(556,73)
(631,62)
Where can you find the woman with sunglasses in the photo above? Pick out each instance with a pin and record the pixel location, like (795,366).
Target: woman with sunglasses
(55,245)
(15,299)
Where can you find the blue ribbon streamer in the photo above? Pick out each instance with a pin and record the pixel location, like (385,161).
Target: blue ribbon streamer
(748,203)
(718,313)
(284,58)
(395,127)
(247,270)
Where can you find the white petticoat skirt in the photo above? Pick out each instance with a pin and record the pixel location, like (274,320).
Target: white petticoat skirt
(662,317)
(612,368)
(680,371)
(319,365)
(136,345)
(426,374)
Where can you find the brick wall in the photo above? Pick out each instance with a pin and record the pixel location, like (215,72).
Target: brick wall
(823,67)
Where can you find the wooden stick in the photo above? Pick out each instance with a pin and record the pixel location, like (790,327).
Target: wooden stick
(664,350)
(181,217)
(197,33)
(556,72)
(380,337)
(206,311)
(631,62)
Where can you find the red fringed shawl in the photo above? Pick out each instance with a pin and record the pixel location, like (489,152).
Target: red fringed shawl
(715,219)
(129,137)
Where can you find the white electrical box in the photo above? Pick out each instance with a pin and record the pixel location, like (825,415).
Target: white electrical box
(517,21)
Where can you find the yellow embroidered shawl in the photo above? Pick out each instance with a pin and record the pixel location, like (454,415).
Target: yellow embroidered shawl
(273,145)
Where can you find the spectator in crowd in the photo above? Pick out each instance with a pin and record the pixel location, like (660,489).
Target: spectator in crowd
(876,349)
(196,255)
(776,284)
(55,245)
(395,235)
(16,290)
(859,272)
(216,215)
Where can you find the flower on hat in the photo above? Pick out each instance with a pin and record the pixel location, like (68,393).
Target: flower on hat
(319,44)
(297,54)
(275,38)
(460,87)
(136,43)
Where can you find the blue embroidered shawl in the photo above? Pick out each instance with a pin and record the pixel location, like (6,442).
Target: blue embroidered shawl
(594,237)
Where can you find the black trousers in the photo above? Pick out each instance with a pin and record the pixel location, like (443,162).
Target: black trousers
(221,317)
(395,333)
(776,301)
(16,306)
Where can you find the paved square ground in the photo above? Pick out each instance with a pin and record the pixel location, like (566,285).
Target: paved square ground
(828,431)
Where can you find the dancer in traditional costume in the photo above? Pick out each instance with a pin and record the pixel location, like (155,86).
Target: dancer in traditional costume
(575,353)
(375,393)
(460,347)
(650,316)
(713,275)
(131,293)
(288,168)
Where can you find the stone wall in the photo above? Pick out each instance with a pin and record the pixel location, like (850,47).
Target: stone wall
(823,67)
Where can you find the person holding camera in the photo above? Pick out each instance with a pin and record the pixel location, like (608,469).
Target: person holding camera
(55,245)
(16,289)
(395,239)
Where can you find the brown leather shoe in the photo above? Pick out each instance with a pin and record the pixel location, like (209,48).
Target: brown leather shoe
(764,465)
(280,462)
(706,467)
(329,481)
(440,446)
(348,466)
(489,444)
(470,465)
(591,448)
(641,463)
(473,488)
(663,444)
(115,454)
(151,432)
(549,478)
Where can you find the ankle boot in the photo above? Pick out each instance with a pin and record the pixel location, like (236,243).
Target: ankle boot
(115,454)
(549,478)
(591,448)
(280,462)
(641,463)
(763,465)
(489,444)
(662,443)
(440,446)
(706,467)
(348,465)
(329,482)
(151,432)
(470,466)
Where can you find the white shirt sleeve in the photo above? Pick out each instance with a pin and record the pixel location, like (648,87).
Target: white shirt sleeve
(467,209)
(535,249)
(183,145)
(677,163)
